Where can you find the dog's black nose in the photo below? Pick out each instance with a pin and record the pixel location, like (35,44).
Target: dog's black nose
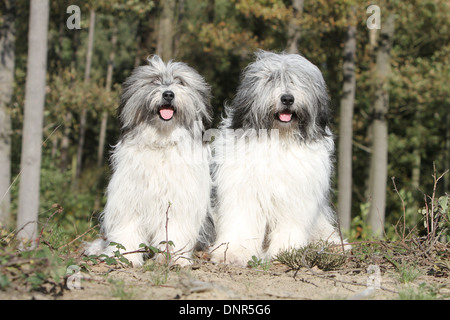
(287,99)
(168,95)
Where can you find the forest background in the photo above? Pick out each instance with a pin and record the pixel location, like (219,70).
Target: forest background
(394,78)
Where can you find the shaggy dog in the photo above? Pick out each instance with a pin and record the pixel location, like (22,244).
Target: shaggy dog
(273,161)
(160,187)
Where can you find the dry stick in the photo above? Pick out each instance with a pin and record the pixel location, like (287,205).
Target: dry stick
(20,261)
(431,236)
(403,207)
(225,254)
(27,223)
(339,231)
(58,210)
(432,199)
(167,251)
(426,215)
(167,234)
(80,236)
(18,230)
(135,251)
(436,180)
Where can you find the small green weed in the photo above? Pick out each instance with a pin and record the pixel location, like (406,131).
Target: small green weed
(315,254)
(423,292)
(408,273)
(159,272)
(258,263)
(32,266)
(120,291)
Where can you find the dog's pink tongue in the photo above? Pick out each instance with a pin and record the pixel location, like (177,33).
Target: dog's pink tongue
(285,117)
(166,113)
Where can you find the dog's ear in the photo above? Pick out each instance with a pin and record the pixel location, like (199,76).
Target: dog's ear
(322,120)
(127,120)
(208,114)
(121,107)
(123,101)
(323,114)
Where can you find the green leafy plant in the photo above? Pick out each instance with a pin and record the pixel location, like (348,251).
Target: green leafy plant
(32,268)
(406,272)
(258,263)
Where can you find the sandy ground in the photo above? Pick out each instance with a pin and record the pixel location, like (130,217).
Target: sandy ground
(207,281)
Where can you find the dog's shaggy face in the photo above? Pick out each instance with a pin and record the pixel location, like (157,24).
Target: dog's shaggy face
(165,96)
(284,92)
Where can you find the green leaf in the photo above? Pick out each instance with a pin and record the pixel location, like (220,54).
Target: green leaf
(124,260)
(117,245)
(4,282)
(36,280)
(154,249)
(110,261)
(170,243)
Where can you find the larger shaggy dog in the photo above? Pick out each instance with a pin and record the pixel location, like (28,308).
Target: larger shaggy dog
(160,187)
(273,162)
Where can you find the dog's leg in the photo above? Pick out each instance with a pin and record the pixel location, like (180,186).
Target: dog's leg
(240,235)
(285,236)
(325,231)
(128,236)
(176,241)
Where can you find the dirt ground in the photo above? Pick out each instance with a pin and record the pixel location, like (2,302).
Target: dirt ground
(207,281)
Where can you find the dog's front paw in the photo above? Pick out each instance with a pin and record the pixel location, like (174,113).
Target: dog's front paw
(234,256)
(102,250)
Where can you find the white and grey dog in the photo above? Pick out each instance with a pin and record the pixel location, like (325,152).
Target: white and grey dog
(160,159)
(273,161)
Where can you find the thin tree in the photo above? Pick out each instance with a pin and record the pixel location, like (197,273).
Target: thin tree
(346,126)
(33,120)
(108,84)
(379,158)
(294,29)
(87,76)
(7,54)
(65,140)
(166,30)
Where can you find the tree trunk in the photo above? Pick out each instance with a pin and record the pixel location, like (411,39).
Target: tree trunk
(109,76)
(87,75)
(90,48)
(166,30)
(177,35)
(346,129)
(372,34)
(33,120)
(7,54)
(65,141)
(294,29)
(378,164)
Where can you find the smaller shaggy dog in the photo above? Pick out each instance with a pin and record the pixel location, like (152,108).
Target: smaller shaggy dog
(160,187)
(273,161)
